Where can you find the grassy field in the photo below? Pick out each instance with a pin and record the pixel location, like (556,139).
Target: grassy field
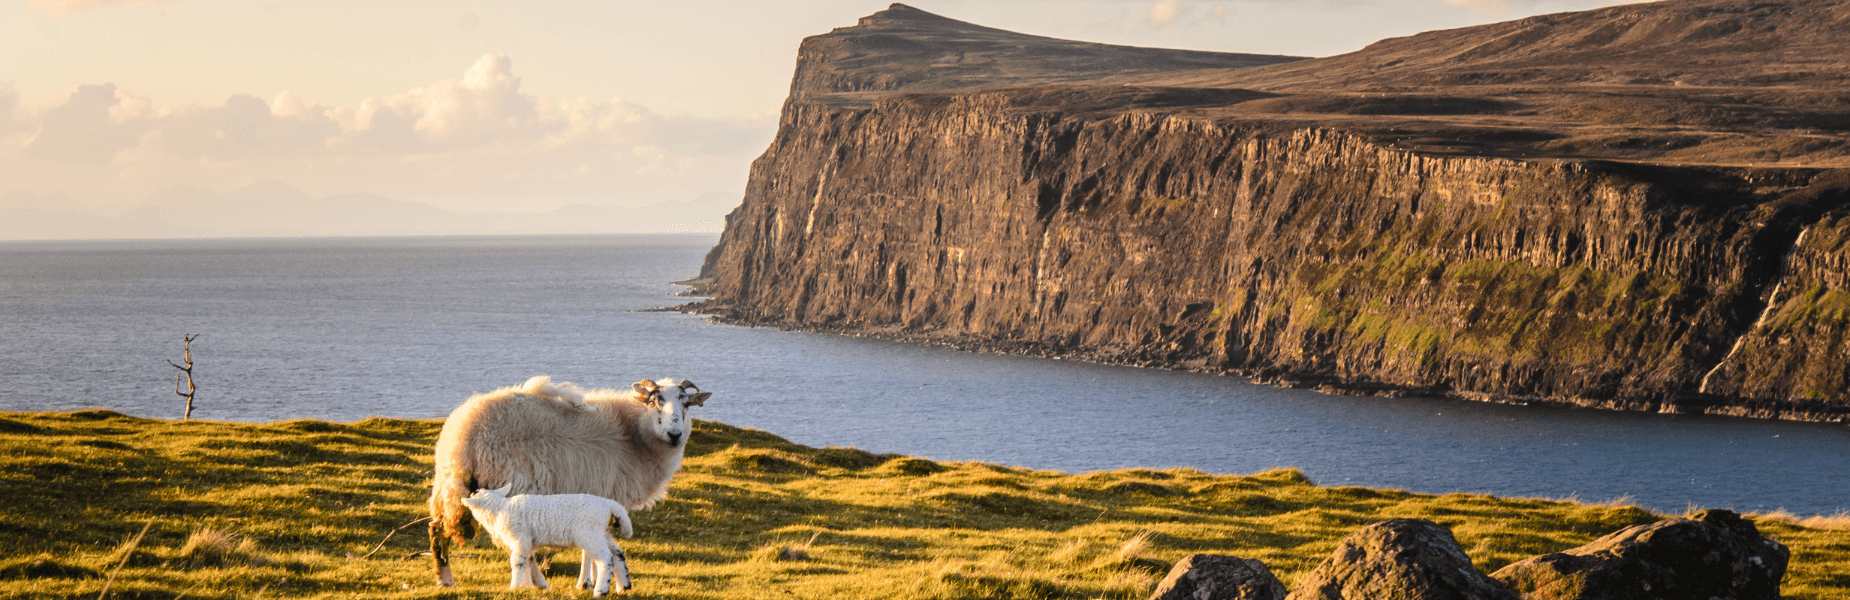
(286,509)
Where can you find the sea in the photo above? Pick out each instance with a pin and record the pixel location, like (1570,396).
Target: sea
(344,329)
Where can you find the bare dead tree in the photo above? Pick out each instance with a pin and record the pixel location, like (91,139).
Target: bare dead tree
(188,372)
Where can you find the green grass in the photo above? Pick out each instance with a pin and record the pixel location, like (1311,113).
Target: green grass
(276,510)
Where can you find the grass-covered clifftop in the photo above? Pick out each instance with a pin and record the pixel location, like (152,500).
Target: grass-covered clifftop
(275,510)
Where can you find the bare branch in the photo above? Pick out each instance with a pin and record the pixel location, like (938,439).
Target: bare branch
(388,537)
(191,388)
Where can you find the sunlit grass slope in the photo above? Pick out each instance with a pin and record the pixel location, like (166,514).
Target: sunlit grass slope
(276,510)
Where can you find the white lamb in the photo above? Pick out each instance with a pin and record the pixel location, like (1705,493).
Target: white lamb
(522,524)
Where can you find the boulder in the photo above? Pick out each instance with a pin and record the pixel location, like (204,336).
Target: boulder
(1712,554)
(1402,559)
(1219,577)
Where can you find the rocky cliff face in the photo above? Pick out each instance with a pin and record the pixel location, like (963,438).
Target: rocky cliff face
(1148,225)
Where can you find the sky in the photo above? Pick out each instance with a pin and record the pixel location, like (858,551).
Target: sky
(492,106)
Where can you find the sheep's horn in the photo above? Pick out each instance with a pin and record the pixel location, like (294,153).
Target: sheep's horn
(644,387)
(689,385)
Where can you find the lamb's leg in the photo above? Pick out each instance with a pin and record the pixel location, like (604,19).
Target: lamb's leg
(518,560)
(601,556)
(584,570)
(620,565)
(538,575)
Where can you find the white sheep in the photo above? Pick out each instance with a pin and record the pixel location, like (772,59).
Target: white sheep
(554,438)
(522,524)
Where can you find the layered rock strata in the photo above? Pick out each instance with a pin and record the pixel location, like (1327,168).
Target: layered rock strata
(1148,225)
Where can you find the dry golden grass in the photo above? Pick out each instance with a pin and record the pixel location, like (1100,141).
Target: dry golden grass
(280,509)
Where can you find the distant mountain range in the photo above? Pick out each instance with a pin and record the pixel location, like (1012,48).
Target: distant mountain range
(273,209)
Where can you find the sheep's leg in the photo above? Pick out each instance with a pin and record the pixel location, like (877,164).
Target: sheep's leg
(440,552)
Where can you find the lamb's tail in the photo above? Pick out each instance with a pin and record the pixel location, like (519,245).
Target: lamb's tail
(624,527)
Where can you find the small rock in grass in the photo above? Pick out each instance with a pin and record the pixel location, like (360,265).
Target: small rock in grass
(1219,577)
(1402,559)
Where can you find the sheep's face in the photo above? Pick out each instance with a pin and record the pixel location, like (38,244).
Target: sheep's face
(666,416)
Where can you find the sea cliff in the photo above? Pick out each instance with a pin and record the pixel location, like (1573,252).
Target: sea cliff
(1179,226)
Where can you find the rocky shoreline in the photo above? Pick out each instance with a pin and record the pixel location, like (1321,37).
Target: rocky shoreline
(1817,412)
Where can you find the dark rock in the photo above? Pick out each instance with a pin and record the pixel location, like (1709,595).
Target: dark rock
(1714,554)
(1219,577)
(1402,559)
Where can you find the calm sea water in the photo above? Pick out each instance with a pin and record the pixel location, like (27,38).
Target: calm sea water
(344,329)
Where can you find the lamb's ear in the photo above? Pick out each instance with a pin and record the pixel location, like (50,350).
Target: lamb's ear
(472,502)
(503,490)
(698,399)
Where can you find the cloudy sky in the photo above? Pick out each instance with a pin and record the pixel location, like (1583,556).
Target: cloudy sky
(482,105)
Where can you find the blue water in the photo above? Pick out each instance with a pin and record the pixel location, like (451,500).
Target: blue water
(344,329)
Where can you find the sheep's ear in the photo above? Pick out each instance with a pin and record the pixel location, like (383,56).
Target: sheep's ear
(698,399)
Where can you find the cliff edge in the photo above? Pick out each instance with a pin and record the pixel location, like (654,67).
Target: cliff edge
(1645,207)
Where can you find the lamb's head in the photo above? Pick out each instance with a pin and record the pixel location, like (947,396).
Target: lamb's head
(487,499)
(666,417)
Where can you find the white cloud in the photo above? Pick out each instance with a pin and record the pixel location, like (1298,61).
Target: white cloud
(485,106)
(92,125)
(64,8)
(9,103)
(246,126)
(384,128)
(486,109)
(472,142)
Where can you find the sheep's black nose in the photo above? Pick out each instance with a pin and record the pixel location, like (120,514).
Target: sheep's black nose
(674,439)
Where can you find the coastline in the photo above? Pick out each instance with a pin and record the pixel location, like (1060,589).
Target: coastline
(1708,404)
